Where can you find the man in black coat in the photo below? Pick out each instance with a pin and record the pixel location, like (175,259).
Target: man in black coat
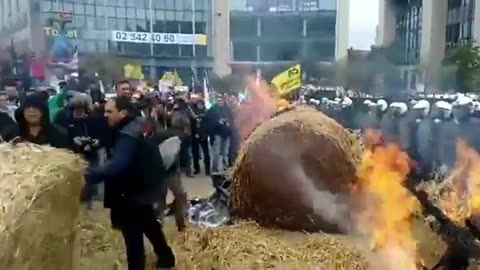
(200,137)
(134,183)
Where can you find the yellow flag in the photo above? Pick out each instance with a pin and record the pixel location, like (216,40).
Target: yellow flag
(176,78)
(133,72)
(288,80)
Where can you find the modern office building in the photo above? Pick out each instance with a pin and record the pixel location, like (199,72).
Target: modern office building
(426,30)
(160,34)
(283,31)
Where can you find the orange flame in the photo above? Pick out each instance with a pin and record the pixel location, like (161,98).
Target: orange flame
(463,199)
(386,215)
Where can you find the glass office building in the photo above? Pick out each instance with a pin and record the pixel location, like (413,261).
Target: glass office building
(408,30)
(460,22)
(283,30)
(162,34)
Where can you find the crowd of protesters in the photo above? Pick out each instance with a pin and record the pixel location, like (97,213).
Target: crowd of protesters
(208,134)
(122,139)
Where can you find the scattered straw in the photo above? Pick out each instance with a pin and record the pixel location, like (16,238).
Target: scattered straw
(39,197)
(241,246)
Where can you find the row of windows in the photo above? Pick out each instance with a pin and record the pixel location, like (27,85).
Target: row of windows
(285,51)
(409,32)
(289,27)
(459,23)
(129,12)
(173,50)
(282,5)
(68,5)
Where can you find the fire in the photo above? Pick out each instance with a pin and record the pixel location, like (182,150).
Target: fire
(388,209)
(462,200)
(262,105)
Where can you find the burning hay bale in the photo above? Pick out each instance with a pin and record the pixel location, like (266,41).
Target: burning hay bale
(39,194)
(285,162)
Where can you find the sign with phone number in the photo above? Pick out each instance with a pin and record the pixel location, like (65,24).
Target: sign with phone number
(159,38)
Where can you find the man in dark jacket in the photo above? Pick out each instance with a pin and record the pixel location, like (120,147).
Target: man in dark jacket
(34,124)
(133,184)
(200,137)
(8,127)
(220,123)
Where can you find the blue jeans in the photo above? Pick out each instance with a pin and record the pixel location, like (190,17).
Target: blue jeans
(220,147)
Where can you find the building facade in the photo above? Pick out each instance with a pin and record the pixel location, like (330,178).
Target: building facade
(426,31)
(276,31)
(160,34)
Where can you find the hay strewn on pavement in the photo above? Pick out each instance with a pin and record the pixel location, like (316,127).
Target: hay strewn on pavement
(241,246)
(39,195)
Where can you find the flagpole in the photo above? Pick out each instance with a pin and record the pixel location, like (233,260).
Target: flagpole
(193,29)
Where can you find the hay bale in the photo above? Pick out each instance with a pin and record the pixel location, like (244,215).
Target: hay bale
(282,158)
(39,194)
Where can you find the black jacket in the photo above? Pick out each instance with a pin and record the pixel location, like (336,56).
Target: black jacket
(92,127)
(134,174)
(49,134)
(220,121)
(8,127)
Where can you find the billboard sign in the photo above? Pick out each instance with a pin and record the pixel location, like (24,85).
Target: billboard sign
(159,38)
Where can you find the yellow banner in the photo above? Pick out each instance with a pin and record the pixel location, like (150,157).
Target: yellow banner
(133,72)
(288,80)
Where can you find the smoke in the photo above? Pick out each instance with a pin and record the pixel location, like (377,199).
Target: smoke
(333,208)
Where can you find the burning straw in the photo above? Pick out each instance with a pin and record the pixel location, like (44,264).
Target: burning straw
(387,208)
(39,194)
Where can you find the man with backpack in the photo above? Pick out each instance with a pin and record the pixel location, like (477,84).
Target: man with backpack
(135,181)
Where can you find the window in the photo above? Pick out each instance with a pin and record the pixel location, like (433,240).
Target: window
(327,4)
(186,28)
(79,9)
(131,3)
(90,10)
(131,13)
(142,26)
(121,12)
(45,6)
(243,27)
(160,4)
(100,23)
(179,5)
(141,14)
(121,24)
(110,11)
(170,4)
(159,15)
(79,21)
(90,22)
(112,24)
(99,11)
(131,25)
(169,15)
(142,4)
(284,51)
(244,51)
(102,46)
(67,7)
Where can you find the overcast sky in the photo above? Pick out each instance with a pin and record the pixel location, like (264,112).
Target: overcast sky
(363,22)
